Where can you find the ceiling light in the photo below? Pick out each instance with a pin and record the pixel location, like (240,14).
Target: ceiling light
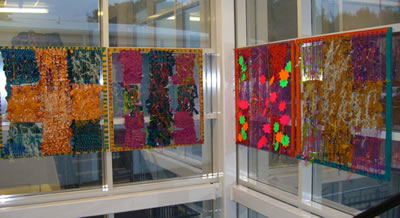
(192,18)
(24,10)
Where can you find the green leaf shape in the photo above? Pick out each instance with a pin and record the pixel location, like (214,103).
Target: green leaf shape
(244,134)
(242,64)
(276,146)
(288,67)
(242,119)
(241,60)
(283,83)
(285,140)
(276,127)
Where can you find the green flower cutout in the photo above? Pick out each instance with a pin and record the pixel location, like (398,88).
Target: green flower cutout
(288,67)
(242,120)
(242,63)
(276,146)
(243,77)
(244,134)
(283,83)
(241,60)
(285,140)
(276,127)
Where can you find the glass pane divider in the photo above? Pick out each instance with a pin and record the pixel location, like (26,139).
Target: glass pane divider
(104,37)
(122,199)
(304,183)
(55,197)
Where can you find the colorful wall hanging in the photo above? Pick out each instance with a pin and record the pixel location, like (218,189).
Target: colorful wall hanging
(345,101)
(157,98)
(326,99)
(265,97)
(53,101)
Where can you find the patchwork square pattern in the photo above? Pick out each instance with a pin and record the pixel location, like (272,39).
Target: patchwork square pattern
(159,93)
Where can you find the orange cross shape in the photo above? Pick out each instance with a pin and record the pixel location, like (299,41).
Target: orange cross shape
(54,101)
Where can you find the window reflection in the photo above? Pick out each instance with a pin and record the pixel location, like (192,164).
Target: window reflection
(332,16)
(280,171)
(192,21)
(159,23)
(162,5)
(271,20)
(49,22)
(165,31)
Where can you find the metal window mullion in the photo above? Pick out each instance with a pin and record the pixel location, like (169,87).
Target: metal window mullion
(151,24)
(204,7)
(305,172)
(261,34)
(227,152)
(251,20)
(213,26)
(104,42)
(241,29)
(179,27)
(340,15)
(207,146)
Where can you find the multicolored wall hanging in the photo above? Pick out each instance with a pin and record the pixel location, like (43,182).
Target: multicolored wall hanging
(53,101)
(157,98)
(265,97)
(345,101)
(325,99)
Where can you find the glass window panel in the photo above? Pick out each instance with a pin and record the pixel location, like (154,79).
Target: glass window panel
(152,23)
(273,169)
(48,23)
(332,16)
(269,21)
(244,212)
(324,16)
(165,31)
(46,174)
(162,5)
(346,191)
(192,21)
(362,14)
(282,20)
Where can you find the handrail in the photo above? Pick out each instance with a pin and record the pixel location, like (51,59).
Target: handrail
(381,208)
